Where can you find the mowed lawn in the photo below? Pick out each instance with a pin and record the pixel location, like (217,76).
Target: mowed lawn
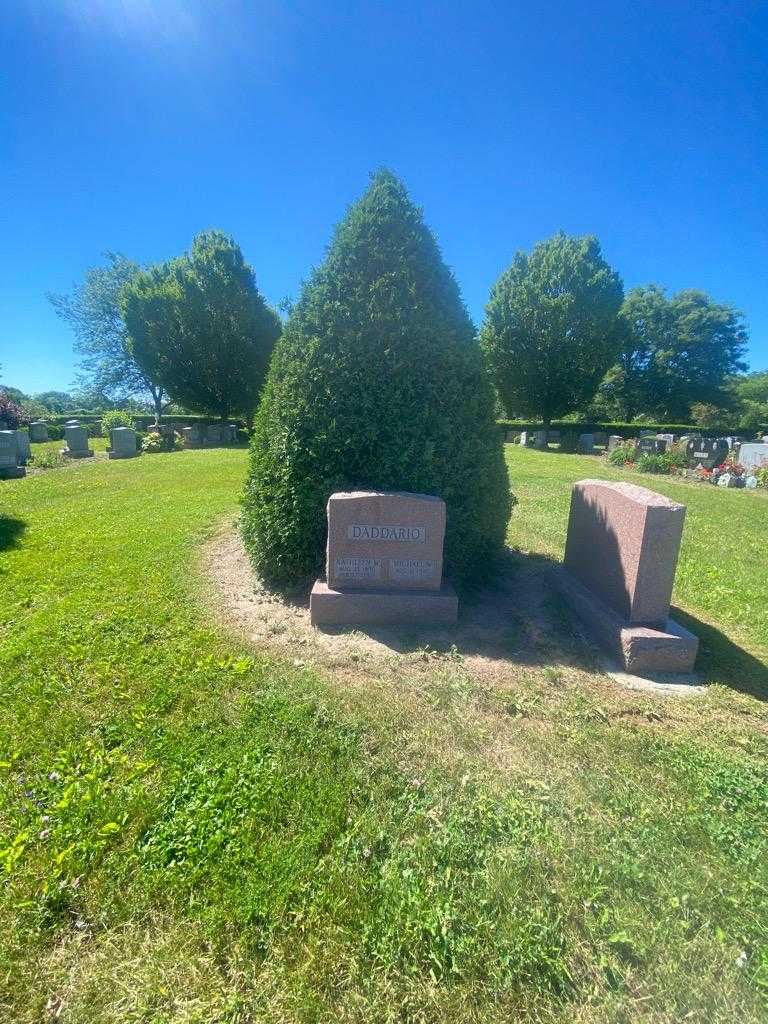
(193,830)
(722,574)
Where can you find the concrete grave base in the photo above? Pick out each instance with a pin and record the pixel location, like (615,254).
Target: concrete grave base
(12,472)
(640,649)
(121,455)
(381,607)
(75,455)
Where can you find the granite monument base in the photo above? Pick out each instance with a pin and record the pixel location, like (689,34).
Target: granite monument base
(69,454)
(639,648)
(112,454)
(12,472)
(382,607)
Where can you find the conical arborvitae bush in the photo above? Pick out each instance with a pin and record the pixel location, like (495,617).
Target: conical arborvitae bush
(376,383)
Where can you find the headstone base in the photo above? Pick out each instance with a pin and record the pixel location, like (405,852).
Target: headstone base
(120,455)
(69,454)
(640,649)
(380,607)
(12,472)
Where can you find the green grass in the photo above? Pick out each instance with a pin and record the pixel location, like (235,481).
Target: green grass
(193,830)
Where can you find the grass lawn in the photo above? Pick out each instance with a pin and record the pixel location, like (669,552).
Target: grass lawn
(196,830)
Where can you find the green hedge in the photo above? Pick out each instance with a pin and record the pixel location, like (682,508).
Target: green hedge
(142,420)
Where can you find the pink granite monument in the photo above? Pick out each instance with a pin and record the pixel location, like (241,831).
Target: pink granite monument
(620,561)
(384,562)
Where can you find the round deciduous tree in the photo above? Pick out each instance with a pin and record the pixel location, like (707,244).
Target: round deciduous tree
(199,326)
(551,328)
(376,383)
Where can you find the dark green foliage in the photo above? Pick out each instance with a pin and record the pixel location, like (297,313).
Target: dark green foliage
(200,326)
(676,351)
(376,383)
(551,328)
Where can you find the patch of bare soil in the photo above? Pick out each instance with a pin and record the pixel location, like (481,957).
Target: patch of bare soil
(511,626)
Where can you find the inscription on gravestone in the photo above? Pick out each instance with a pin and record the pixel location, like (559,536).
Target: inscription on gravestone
(706,452)
(379,539)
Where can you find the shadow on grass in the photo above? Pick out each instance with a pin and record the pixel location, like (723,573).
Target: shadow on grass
(722,661)
(520,617)
(523,618)
(10,532)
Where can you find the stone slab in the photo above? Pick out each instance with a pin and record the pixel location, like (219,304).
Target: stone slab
(38,431)
(382,607)
(639,649)
(385,540)
(24,449)
(9,450)
(12,472)
(623,542)
(753,456)
(70,454)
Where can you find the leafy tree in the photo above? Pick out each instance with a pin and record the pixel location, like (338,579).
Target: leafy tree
(11,415)
(712,417)
(550,330)
(55,401)
(377,382)
(108,367)
(199,325)
(15,394)
(676,351)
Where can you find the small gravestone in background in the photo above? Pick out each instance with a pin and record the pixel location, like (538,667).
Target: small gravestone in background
(753,455)
(669,438)
(9,456)
(526,439)
(540,439)
(194,436)
(384,562)
(587,443)
(706,452)
(615,441)
(25,452)
(123,441)
(213,434)
(650,446)
(38,431)
(231,433)
(77,442)
(600,437)
(620,561)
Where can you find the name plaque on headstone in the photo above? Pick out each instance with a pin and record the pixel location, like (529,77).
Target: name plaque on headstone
(706,452)
(412,534)
(385,539)
(412,568)
(351,568)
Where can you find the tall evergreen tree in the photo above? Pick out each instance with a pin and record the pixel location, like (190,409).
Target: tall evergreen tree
(376,382)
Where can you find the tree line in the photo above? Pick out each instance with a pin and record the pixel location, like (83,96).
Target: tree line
(560,338)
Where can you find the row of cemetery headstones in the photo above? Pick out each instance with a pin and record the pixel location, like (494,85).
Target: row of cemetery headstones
(15,448)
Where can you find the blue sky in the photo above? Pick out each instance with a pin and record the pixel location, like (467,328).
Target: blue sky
(133,124)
